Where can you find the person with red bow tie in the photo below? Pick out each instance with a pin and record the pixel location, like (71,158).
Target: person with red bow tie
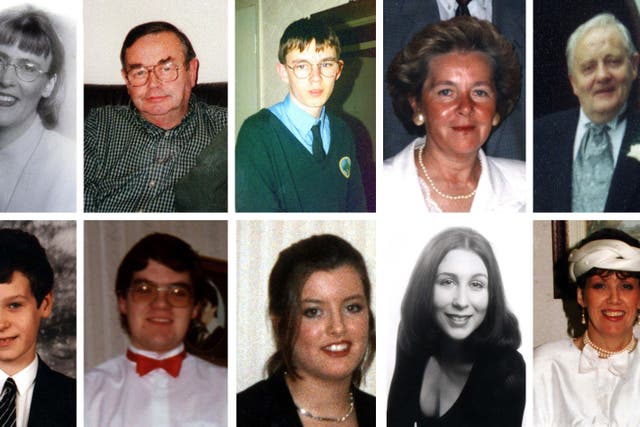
(159,286)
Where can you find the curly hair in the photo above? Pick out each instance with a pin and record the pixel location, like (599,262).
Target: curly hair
(410,67)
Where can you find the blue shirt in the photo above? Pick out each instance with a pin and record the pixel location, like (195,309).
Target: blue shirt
(299,123)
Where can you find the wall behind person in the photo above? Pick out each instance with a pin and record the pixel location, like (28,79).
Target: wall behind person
(105,244)
(107,22)
(65,18)
(258,246)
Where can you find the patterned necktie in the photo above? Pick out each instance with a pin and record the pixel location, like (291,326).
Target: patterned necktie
(592,170)
(318,150)
(462,9)
(8,404)
(145,364)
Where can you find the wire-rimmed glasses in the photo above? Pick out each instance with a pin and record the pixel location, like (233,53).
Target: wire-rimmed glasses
(178,295)
(26,71)
(165,72)
(303,69)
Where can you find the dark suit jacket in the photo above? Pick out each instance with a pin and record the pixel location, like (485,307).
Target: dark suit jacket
(54,399)
(404,18)
(269,404)
(553,165)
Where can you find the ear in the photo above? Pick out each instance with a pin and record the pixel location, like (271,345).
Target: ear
(413,103)
(340,66)
(194,64)
(122,305)
(496,120)
(573,86)
(48,88)
(195,311)
(635,58)
(46,305)
(581,300)
(282,72)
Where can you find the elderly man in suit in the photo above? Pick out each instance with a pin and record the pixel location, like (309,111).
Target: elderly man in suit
(588,159)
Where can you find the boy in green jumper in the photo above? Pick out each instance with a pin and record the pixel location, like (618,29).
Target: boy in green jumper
(295,156)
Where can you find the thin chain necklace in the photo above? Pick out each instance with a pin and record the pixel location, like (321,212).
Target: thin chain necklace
(342,419)
(433,185)
(605,354)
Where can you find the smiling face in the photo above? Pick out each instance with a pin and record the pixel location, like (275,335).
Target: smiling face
(19,323)
(313,92)
(612,303)
(602,73)
(156,325)
(18,99)
(162,103)
(333,327)
(458,102)
(461,293)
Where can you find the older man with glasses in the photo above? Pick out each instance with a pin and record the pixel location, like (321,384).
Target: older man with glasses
(135,155)
(37,163)
(159,286)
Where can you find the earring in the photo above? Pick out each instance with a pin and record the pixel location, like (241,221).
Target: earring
(418,119)
(638,321)
(582,319)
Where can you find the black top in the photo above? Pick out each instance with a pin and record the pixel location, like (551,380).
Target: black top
(494,394)
(54,399)
(268,403)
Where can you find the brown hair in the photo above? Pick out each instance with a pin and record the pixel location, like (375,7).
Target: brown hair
(302,32)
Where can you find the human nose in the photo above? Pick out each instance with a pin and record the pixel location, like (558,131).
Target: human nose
(161,298)
(336,326)
(6,79)
(315,72)
(465,104)
(602,72)
(614,295)
(460,298)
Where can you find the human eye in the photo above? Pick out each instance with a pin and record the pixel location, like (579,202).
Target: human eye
(142,288)
(138,73)
(597,285)
(628,286)
(328,65)
(445,92)
(14,305)
(302,66)
(477,285)
(29,67)
(180,292)
(311,312)
(446,281)
(354,308)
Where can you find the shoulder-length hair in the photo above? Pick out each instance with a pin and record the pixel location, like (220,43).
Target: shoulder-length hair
(33,32)
(294,266)
(410,67)
(419,331)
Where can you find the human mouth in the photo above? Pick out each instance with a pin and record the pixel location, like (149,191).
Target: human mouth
(463,128)
(7,100)
(613,315)
(458,319)
(160,320)
(158,98)
(339,349)
(316,92)
(5,342)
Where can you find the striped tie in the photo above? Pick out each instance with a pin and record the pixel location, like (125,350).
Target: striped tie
(8,404)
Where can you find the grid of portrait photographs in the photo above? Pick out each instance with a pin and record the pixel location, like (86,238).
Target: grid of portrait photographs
(332,213)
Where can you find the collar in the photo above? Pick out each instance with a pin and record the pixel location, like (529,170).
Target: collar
(300,118)
(146,361)
(23,378)
(154,355)
(617,364)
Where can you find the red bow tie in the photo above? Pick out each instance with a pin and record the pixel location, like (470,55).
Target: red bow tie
(145,364)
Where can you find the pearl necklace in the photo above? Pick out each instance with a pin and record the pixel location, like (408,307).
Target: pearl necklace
(605,354)
(342,419)
(433,185)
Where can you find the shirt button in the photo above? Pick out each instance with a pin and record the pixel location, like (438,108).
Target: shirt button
(152,183)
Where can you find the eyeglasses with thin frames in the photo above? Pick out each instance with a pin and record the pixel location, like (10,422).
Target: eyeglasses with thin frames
(25,70)
(165,72)
(303,69)
(178,295)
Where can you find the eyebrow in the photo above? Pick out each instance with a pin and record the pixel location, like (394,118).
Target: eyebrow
(151,282)
(328,58)
(447,274)
(162,61)
(319,301)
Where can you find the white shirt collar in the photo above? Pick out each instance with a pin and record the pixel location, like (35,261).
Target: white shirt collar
(481,9)
(155,355)
(23,378)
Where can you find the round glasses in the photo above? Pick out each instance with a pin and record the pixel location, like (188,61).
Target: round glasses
(145,292)
(165,72)
(303,69)
(26,71)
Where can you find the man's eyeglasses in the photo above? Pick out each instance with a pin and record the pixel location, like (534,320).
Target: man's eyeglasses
(165,72)
(145,292)
(25,70)
(303,69)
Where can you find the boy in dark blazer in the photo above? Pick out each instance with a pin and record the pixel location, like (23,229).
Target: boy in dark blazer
(32,394)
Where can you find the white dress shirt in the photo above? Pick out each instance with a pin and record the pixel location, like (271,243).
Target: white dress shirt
(115,395)
(481,9)
(577,388)
(25,380)
(38,172)
(617,127)
(502,186)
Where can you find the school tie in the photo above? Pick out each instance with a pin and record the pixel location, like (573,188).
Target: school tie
(145,364)
(8,404)
(462,9)
(318,149)
(592,170)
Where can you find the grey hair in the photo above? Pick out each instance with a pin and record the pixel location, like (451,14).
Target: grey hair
(599,21)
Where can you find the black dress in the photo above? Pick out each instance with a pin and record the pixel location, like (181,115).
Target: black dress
(268,403)
(494,394)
